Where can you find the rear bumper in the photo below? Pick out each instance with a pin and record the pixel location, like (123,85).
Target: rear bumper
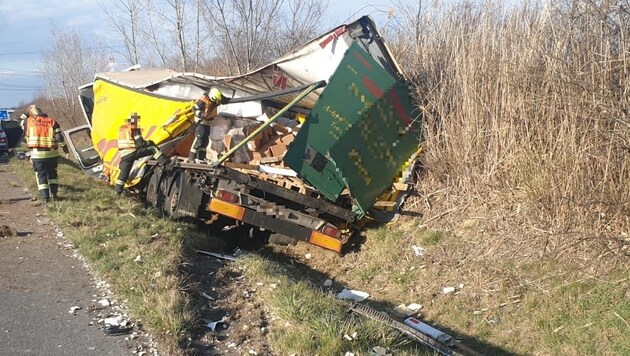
(272,223)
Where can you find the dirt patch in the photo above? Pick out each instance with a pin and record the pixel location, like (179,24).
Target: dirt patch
(220,292)
(7,231)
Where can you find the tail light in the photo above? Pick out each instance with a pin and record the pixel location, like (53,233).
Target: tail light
(227,196)
(3,140)
(331,230)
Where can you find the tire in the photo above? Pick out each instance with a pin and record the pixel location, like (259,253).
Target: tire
(153,189)
(172,199)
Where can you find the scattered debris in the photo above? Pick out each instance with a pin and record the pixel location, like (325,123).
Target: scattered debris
(348,353)
(207,296)
(328,283)
(379,351)
(217,255)
(308,256)
(448,290)
(103,302)
(7,231)
(117,326)
(213,324)
(355,295)
(74,309)
(430,331)
(418,251)
(408,310)
(138,259)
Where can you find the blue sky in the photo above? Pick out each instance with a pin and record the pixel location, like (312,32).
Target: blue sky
(25,35)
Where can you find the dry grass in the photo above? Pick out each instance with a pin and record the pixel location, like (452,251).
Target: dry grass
(527,125)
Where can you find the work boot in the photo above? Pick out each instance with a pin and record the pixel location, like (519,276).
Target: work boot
(191,157)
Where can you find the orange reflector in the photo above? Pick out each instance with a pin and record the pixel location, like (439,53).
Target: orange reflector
(325,241)
(227,209)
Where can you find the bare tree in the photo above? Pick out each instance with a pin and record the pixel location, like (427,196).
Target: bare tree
(242,30)
(70,63)
(301,21)
(126,25)
(249,33)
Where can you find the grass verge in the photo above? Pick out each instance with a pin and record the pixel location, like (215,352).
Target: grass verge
(127,245)
(507,300)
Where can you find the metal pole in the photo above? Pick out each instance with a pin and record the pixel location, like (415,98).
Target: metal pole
(306,91)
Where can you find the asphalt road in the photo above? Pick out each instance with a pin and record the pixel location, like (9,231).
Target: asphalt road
(40,281)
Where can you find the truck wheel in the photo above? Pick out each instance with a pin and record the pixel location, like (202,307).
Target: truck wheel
(172,200)
(152,189)
(282,240)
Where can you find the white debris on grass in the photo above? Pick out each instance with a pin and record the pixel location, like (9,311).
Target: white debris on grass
(418,251)
(448,290)
(355,295)
(213,324)
(138,258)
(328,283)
(308,256)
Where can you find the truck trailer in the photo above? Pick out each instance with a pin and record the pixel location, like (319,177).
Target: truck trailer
(309,147)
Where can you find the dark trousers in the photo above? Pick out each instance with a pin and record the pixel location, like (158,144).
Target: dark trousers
(46,170)
(202,138)
(126,163)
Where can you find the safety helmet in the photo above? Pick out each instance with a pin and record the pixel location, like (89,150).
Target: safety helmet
(215,95)
(34,111)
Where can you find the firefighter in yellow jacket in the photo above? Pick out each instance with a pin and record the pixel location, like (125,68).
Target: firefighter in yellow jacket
(205,111)
(132,146)
(43,137)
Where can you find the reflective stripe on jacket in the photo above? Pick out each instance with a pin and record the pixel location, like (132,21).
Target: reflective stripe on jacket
(126,142)
(205,109)
(41,133)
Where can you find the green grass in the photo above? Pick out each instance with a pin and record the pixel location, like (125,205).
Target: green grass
(309,321)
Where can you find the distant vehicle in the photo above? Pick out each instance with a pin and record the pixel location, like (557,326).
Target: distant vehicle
(13,131)
(4,143)
(310,147)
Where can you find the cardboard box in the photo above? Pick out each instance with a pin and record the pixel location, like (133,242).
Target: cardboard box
(278,149)
(287,139)
(227,141)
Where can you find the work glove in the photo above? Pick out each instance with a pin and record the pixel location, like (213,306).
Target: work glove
(225,100)
(23,116)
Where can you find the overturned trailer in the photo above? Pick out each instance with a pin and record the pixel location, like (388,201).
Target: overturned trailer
(309,147)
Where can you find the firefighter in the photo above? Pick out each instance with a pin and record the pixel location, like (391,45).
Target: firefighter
(131,147)
(205,111)
(43,137)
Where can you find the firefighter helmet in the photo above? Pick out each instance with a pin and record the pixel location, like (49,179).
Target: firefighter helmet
(34,111)
(215,95)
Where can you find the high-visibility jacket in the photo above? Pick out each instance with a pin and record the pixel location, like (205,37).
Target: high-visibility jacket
(43,136)
(129,139)
(205,109)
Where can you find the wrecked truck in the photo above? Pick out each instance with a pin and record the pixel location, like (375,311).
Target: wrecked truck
(309,147)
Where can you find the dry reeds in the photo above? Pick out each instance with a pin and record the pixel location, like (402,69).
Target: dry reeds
(527,106)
